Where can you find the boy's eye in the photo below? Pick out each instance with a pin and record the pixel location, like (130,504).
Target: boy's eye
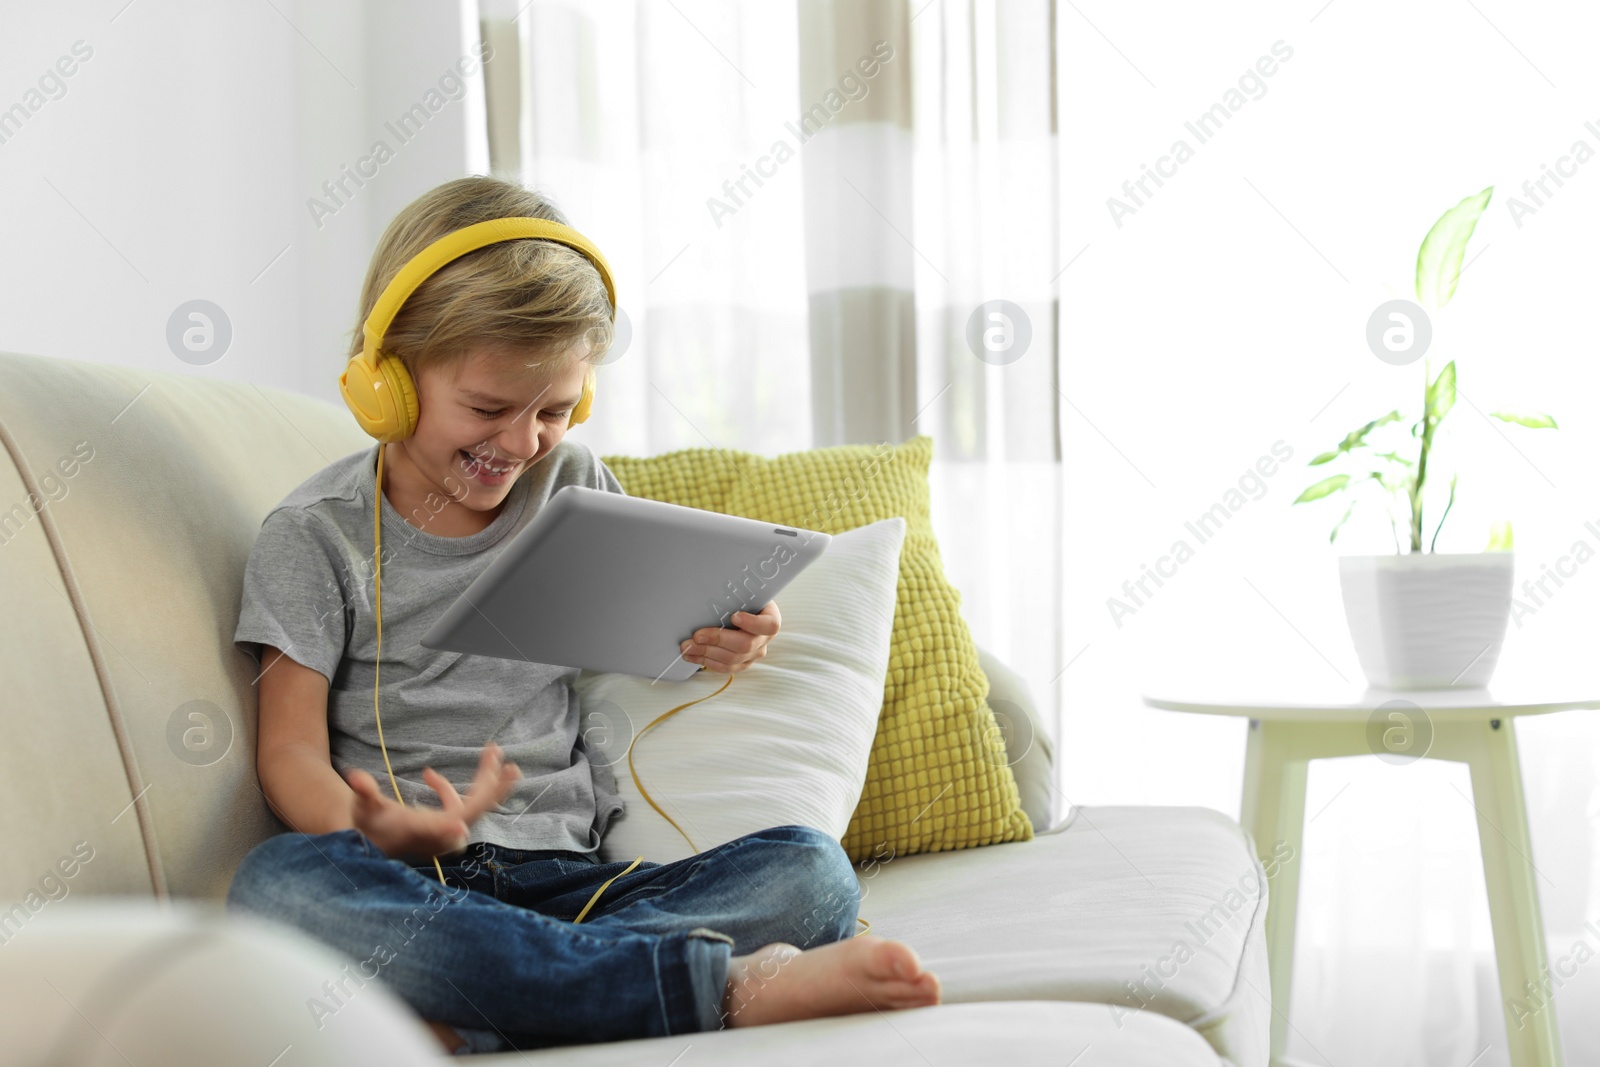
(481,413)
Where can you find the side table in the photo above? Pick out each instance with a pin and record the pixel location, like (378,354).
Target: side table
(1471,726)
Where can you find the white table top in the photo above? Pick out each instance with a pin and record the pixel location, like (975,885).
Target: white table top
(1342,703)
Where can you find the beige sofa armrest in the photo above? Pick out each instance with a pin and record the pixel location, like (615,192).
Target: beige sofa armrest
(191,984)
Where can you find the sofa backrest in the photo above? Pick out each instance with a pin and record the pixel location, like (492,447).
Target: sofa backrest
(128,505)
(130,716)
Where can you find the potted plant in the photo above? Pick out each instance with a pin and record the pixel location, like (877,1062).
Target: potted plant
(1421,619)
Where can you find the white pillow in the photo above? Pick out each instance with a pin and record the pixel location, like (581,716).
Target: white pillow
(786,743)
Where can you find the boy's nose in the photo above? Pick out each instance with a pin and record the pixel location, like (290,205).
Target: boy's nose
(521,439)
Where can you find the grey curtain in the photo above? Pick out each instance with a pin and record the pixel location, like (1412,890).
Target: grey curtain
(833,222)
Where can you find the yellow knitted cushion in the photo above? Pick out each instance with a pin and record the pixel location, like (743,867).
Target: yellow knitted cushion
(933,782)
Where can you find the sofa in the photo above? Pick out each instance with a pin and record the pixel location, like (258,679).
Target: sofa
(129,500)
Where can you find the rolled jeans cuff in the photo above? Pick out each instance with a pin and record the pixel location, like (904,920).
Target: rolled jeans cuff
(480,1041)
(691,978)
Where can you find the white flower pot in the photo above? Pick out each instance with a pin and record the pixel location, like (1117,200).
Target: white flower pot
(1427,621)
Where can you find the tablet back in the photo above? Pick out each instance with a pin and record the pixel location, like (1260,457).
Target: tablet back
(609,582)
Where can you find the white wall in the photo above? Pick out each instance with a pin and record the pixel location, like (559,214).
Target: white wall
(176,163)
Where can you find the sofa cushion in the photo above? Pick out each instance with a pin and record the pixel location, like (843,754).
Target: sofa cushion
(948,1035)
(938,777)
(783,743)
(1140,909)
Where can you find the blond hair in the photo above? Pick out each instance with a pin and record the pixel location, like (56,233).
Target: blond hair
(534,296)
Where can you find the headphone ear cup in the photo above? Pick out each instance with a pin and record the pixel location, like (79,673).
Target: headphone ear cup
(403,392)
(364,397)
(585,402)
(384,402)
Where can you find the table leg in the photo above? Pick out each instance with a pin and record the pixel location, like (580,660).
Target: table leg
(1490,751)
(1273,811)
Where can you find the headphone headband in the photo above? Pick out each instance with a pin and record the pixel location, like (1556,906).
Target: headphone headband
(377,388)
(458,243)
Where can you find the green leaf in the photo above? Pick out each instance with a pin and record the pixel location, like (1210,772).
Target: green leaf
(1531,419)
(1323,488)
(1442,393)
(1499,537)
(1358,438)
(1324,458)
(1395,457)
(1439,258)
(1342,521)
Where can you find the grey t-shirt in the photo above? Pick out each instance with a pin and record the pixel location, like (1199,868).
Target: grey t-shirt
(308,590)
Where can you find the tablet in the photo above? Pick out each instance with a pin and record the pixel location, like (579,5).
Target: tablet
(608,582)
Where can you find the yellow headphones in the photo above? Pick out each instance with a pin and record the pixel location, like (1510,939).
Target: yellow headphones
(380,393)
(376,386)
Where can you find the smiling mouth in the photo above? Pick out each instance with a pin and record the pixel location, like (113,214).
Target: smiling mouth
(477,463)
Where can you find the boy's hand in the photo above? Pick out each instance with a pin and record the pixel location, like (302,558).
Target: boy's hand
(731,651)
(415,834)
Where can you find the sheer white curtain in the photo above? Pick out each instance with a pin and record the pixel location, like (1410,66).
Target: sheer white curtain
(805,205)
(631,117)
(986,223)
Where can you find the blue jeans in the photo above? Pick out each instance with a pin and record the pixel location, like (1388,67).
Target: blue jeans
(495,952)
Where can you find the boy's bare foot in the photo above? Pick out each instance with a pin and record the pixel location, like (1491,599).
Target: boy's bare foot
(779,983)
(446,1034)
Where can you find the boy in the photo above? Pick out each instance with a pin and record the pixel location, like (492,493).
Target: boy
(501,344)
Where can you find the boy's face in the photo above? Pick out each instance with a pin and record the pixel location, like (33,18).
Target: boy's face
(477,433)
